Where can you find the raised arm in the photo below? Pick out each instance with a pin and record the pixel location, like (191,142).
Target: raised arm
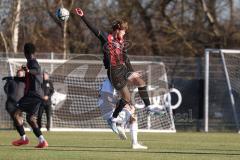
(100,35)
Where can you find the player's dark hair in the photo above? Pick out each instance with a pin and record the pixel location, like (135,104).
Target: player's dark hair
(29,48)
(119,24)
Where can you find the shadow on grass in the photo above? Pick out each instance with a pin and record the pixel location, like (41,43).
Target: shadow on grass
(219,150)
(113,149)
(99,147)
(59,146)
(128,150)
(5,145)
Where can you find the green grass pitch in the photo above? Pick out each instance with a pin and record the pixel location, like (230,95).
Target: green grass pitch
(106,146)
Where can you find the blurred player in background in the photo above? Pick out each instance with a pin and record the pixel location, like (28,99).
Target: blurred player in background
(32,99)
(47,103)
(14,89)
(117,63)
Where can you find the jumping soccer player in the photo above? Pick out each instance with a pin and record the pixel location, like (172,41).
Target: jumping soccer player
(117,63)
(31,100)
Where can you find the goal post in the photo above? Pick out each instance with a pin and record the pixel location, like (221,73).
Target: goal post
(77,83)
(221,88)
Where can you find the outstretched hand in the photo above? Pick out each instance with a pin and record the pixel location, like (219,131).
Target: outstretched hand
(79,11)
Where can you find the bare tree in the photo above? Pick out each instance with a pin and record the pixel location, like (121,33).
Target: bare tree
(65,41)
(211,17)
(149,27)
(5,9)
(4,42)
(175,27)
(15,26)
(165,27)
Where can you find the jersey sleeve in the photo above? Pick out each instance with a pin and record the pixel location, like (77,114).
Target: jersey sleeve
(99,34)
(10,89)
(48,89)
(6,86)
(21,79)
(51,89)
(34,67)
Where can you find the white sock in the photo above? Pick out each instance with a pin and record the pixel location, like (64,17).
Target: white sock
(24,137)
(41,138)
(134,132)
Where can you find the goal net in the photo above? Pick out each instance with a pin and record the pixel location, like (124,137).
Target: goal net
(77,82)
(222,89)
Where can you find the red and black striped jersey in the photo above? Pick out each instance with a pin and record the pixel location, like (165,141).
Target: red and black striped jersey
(114,51)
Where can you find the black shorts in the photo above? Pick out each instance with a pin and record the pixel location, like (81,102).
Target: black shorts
(11,106)
(29,104)
(118,76)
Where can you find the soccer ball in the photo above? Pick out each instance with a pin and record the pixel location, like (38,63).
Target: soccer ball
(62,14)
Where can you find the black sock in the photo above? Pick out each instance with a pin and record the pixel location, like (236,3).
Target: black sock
(20,130)
(121,103)
(144,95)
(36,131)
(117,111)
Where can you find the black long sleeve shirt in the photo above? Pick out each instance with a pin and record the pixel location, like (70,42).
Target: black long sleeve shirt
(14,88)
(48,90)
(113,50)
(34,79)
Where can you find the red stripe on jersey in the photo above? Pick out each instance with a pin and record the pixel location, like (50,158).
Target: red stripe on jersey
(115,51)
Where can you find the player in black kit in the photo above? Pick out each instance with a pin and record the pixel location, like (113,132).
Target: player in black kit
(14,89)
(32,99)
(119,69)
(47,104)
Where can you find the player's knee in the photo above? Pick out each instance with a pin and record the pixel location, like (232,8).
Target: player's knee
(125,95)
(32,120)
(133,119)
(140,82)
(17,117)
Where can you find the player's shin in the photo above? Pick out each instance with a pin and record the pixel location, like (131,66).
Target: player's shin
(120,105)
(20,130)
(144,95)
(134,135)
